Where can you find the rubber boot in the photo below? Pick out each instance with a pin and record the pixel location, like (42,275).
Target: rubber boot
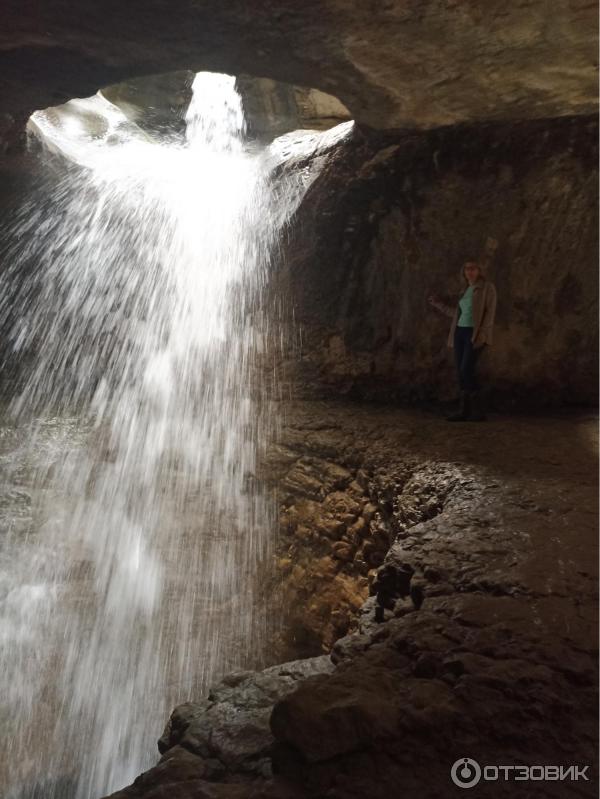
(463,410)
(477,408)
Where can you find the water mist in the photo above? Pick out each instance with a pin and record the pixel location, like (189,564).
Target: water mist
(135,532)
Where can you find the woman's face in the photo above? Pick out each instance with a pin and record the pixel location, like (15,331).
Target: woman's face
(471,271)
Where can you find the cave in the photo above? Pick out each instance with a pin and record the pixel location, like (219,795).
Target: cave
(244,553)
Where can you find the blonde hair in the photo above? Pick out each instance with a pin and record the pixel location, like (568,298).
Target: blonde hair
(479,266)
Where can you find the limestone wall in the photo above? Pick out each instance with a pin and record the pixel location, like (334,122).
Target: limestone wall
(392,219)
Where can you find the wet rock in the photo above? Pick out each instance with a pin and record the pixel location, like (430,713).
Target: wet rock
(326,719)
(320,535)
(369,512)
(332,528)
(348,647)
(417,594)
(372,554)
(314,478)
(392,582)
(427,666)
(473,672)
(403,606)
(230,729)
(342,550)
(273,109)
(156,103)
(432,574)
(342,504)
(302,481)
(398,662)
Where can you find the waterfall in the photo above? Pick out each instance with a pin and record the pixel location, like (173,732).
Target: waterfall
(134,530)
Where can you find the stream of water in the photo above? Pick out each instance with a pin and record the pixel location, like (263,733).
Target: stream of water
(133,530)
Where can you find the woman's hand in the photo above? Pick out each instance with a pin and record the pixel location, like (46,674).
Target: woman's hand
(447,310)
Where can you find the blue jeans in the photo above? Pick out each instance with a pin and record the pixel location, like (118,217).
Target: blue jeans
(466,358)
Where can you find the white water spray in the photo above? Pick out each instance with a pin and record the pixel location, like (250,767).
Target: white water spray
(132,581)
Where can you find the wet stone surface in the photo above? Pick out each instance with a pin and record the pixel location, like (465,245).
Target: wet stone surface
(487,590)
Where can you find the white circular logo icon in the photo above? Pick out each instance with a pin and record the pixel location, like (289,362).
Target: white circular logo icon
(465,772)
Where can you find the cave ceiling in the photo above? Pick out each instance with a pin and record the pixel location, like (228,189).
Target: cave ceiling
(394,63)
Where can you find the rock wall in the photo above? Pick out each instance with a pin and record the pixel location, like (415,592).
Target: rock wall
(157,103)
(392,219)
(272,108)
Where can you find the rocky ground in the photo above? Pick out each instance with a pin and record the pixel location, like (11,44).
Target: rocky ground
(479,544)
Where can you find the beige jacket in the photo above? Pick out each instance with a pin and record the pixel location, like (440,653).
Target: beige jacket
(484,312)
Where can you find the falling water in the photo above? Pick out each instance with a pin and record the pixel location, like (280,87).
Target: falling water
(134,528)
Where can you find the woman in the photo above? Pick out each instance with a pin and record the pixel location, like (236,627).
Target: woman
(471,330)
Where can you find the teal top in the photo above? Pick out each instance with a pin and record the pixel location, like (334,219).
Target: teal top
(466,308)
